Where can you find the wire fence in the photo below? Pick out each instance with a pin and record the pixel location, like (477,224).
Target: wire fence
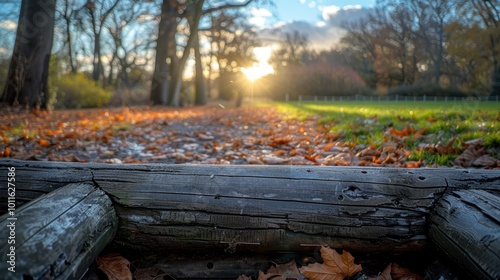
(396,98)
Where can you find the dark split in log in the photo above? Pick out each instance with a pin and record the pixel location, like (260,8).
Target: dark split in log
(58,235)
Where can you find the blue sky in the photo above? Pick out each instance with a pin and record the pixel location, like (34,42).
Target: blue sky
(311,10)
(320,20)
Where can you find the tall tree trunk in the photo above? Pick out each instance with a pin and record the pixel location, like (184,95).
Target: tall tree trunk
(97,63)
(29,66)
(67,16)
(200,88)
(165,50)
(193,30)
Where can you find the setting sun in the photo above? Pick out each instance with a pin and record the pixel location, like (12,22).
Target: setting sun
(261,67)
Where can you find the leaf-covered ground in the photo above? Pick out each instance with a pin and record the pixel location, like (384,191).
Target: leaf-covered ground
(298,134)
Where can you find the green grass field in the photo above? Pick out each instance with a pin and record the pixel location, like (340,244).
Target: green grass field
(417,124)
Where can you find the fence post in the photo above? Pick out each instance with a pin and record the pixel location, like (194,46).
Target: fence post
(287,97)
(300,98)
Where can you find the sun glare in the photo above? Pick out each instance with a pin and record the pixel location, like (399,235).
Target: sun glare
(261,67)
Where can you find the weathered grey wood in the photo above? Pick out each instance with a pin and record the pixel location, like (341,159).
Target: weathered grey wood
(466,225)
(58,235)
(34,179)
(272,208)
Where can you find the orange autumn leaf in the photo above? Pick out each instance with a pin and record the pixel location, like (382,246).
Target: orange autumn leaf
(6,152)
(420,132)
(44,143)
(335,266)
(115,267)
(310,158)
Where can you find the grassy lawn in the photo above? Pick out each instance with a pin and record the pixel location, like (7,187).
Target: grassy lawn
(436,132)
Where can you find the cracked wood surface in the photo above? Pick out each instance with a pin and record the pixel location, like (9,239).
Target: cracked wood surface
(466,225)
(58,235)
(263,208)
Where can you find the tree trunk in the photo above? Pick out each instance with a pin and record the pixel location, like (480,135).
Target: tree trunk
(165,49)
(193,31)
(200,88)
(58,236)
(69,39)
(28,72)
(96,69)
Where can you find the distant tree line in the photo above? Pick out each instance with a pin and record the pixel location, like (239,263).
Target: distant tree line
(410,47)
(130,52)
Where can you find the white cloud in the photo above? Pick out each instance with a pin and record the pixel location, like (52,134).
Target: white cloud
(312,4)
(302,1)
(322,34)
(336,16)
(257,21)
(352,7)
(8,24)
(260,12)
(329,11)
(320,24)
(259,16)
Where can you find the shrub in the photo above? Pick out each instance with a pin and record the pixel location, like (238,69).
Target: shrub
(421,89)
(79,91)
(319,79)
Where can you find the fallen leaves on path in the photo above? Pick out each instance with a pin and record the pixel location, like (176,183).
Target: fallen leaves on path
(211,135)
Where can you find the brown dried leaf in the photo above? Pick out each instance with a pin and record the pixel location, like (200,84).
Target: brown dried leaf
(287,271)
(149,274)
(401,273)
(385,275)
(335,266)
(474,150)
(115,267)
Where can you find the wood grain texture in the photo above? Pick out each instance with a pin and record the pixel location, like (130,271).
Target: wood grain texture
(466,225)
(273,208)
(58,235)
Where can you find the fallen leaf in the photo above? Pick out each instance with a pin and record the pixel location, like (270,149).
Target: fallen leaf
(149,274)
(115,267)
(335,266)
(287,271)
(6,152)
(486,161)
(401,273)
(385,275)
(44,143)
(474,150)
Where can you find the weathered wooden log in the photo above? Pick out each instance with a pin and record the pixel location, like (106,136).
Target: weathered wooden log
(58,235)
(268,208)
(34,179)
(466,225)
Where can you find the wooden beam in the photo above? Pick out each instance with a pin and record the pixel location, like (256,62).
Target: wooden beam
(466,225)
(58,235)
(265,208)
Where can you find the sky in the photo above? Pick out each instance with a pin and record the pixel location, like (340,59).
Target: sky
(320,20)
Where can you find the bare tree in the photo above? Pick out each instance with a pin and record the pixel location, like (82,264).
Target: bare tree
(167,83)
(96,13)
(487,14)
